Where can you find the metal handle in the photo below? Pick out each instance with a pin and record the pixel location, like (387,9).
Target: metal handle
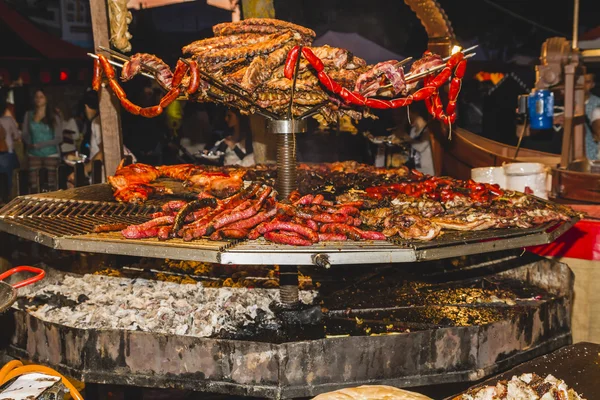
(321,260)
(40,275)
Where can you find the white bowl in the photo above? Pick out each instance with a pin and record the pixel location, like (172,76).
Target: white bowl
(491,175)
(534,176)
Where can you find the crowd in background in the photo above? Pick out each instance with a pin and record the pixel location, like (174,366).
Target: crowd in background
(36,133)
(40,133)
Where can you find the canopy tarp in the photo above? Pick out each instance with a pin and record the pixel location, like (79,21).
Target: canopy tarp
(358,45)
(187,16)
(25,41)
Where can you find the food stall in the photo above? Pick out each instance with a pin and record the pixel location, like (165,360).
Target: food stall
(414,280)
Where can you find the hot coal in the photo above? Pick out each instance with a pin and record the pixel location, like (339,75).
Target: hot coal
(102,302)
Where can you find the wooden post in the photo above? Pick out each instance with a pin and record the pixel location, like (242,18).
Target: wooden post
(438,131)
(261,141)
(258,9)
(579,150)
(110,120)
(567,142)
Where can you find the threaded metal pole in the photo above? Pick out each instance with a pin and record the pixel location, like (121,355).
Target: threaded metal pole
(288,284)
(286,164)
(289,294)
(286,130)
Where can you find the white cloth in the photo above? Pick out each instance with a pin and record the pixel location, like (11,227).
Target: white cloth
(96,138)
(96,144)
(194,148)
(71,131)
(380,157)
(231,158)
(595,114)
(424,160)
(13,133)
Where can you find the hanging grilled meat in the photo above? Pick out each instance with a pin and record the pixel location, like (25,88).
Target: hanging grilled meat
(251,65)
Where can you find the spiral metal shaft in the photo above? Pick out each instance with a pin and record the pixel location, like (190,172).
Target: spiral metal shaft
(288,284)
(286,164)
(286,130)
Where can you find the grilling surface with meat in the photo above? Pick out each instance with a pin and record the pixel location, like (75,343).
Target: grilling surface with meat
(266,64)
(335,202)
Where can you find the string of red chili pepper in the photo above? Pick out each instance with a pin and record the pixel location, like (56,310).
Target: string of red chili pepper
(438,188)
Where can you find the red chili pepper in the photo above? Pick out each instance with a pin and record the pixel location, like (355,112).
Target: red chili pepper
(397,186)
(375,194)
(455,59)
(454,89)
(290,63)
(442,77)
(417,192)
(430,184)
(461,69)
(447,194)
(315,61)
(496,192)
(417,173)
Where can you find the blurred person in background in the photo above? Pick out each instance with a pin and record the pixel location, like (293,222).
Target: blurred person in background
(237,144)
(420,139)
(6,168)
(196,132)
(145,137)
(592,118)
(19,100)
(8,122)
(91,144)
(92,114)
(11,137)
(42,133)
(71,133)
(11,125)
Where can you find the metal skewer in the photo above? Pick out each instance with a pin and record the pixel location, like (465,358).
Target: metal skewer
(401,63)
(313,110)
(465,51)
(124,57)
(114,53)
(119,65)
(414,77)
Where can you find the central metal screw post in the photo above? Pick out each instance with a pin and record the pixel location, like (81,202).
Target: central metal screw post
(288,284)
(286,130)
(286,164)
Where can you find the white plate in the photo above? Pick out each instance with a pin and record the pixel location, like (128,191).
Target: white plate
(72,163)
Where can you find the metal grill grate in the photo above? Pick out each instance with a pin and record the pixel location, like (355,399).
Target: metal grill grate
(60,218)
(66,220)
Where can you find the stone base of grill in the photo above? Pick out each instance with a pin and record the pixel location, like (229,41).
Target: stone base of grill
(309,367)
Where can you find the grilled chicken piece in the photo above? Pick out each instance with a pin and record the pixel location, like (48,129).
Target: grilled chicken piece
(219,184)
(133,174)
(139,192)
(179,172)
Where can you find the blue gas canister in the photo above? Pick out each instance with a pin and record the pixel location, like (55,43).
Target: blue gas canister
(541,109)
